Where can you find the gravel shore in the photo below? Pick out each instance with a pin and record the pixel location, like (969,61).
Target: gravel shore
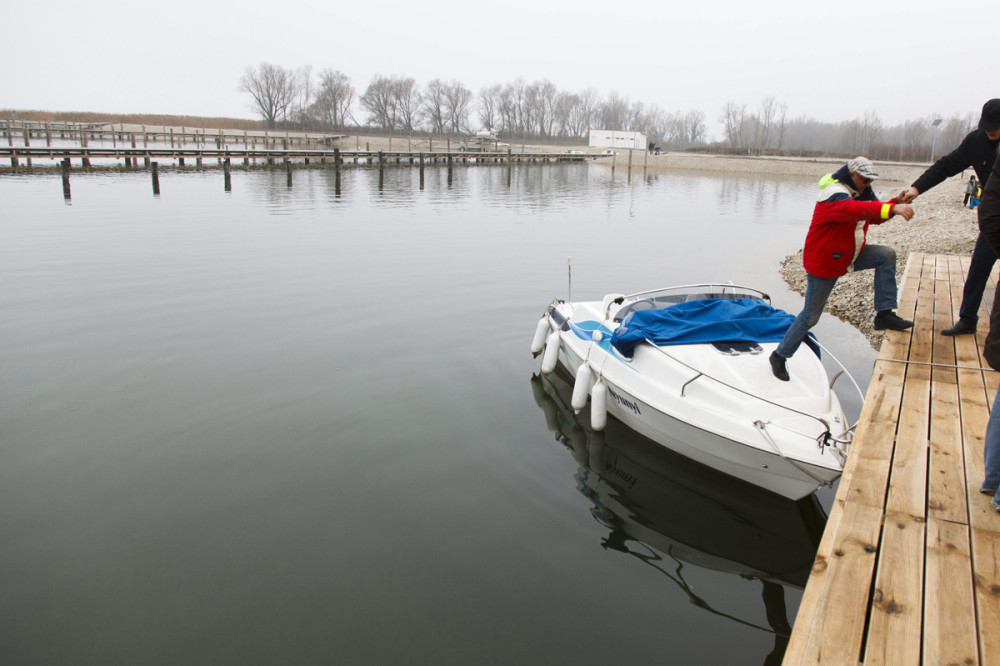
(942,225)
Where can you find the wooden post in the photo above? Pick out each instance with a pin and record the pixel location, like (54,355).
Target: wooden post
(629,173)
(510,164)
(48,135)
(227,178)
(421,171)
(27,142)
(83,144)
(288,168)
(64,167)
(156,179)
(336,169)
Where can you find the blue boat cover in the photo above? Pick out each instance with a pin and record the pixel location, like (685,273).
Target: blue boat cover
(704,321)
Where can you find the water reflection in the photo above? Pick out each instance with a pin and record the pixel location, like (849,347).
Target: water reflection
(670,512)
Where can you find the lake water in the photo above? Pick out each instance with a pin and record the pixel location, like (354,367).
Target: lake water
(302,425)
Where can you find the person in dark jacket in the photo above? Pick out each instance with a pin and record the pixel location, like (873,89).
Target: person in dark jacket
(836,244)
(989,228)
(969,187)
(977,150)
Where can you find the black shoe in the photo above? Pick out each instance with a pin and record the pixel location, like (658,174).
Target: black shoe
(887,319)
(961,327)
(778,366)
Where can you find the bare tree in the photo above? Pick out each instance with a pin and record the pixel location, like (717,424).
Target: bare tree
(489,107)
(585,114)
(615,112)
(694,127)
(303,94)
(914,133)
(458,99)
(764,121)
(334,98)
(273,89)
(872,130)
(435,106)
(408,101)
(379,100)
(392,102)
(733,120)
(782,124)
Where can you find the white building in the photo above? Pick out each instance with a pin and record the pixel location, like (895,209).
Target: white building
(600,138)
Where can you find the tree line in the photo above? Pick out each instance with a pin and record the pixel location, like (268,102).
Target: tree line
(295,98)
(538,110)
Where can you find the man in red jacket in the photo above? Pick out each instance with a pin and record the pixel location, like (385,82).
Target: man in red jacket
(836,244)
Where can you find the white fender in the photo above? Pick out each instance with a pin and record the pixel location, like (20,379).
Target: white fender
(551,355)
(581,388)
(541,332)
(599,406)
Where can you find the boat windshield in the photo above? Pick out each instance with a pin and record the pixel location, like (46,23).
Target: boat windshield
(660,301)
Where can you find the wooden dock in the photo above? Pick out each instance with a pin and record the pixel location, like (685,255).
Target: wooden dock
(908,570)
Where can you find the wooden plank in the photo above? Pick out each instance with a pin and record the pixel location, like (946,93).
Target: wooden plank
(837,628)
(894,636)
(949,607)
(908,480)
(986,570)
(946,488)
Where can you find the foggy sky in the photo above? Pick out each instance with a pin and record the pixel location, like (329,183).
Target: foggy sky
(899,59)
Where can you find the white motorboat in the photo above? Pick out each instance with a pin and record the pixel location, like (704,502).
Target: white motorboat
(688,367)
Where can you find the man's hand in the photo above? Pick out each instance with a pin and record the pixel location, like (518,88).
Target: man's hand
(906,210)
(908,195)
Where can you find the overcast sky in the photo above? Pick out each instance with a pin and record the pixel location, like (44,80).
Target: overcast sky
(829,61)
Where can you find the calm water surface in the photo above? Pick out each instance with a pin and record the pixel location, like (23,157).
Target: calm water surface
(302,425)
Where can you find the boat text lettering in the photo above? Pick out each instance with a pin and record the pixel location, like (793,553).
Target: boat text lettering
(627,404)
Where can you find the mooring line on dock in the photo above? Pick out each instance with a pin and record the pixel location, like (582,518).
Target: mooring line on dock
(936,365)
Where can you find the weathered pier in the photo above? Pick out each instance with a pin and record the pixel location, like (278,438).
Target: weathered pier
(249,155)
(908,570)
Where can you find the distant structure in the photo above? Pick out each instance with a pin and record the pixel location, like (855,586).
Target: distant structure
(601,138)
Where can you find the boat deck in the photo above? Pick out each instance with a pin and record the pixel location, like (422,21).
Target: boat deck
(908,570)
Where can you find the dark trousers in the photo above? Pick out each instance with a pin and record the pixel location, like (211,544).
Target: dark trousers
(965,201)
(983,258)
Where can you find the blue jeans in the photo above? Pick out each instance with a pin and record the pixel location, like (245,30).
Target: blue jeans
(983,258)
(991,452)
(880,257)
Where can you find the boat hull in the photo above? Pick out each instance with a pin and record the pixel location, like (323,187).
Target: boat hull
(748,425)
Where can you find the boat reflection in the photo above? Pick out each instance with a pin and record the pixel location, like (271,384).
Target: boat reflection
(668,511)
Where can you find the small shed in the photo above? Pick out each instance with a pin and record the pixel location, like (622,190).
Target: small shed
(602,138)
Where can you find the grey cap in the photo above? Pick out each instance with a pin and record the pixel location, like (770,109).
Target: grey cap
(863,167)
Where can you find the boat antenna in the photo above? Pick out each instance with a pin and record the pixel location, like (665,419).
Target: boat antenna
(569,277)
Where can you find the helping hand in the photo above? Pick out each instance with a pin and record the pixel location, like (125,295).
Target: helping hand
(908,195)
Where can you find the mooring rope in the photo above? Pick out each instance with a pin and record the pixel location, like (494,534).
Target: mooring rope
(936,365)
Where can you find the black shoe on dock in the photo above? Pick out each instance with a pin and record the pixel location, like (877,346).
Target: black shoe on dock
(961,327)
(887,319)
